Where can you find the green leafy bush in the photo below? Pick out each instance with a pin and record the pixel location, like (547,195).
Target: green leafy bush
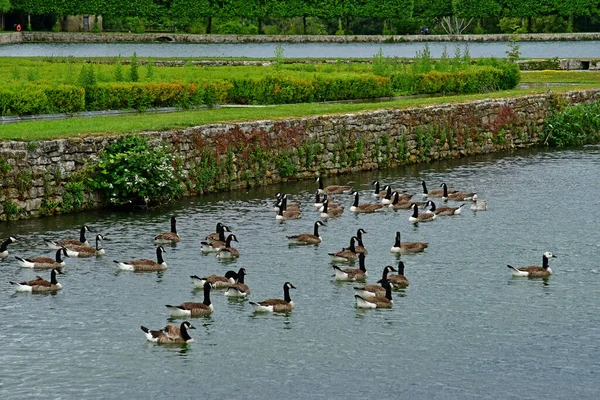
(132,173)
(573,126)
(37,99)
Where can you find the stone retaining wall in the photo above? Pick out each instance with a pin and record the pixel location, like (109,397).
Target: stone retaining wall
(76,37)
(38,177)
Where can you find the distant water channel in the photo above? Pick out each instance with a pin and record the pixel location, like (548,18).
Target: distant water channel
(573,49)
(463,329)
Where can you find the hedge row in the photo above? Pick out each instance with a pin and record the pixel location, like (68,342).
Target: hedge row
(270,90)
(34,99)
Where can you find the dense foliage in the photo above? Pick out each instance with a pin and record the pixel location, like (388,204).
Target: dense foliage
(573,126)
(131,172)
(325,16)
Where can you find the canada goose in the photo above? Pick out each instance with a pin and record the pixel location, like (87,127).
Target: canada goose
(173,331)
(330,203)
(238,289)
(352,274)
(458,196)
(398,281)
(86,251)
(40,285)
(434,193)
(287,206)
(181,336)
(408,247)
(442,210)
(374,290)
(276,305)
(215,245)
(217,281)
(144,264)
(333,189)
(479,205)
(378,192)
(70,242)
(219,234)
(387,198)
(191,309)
(228,251)
(402,203)
(422,217)
(4,246)
(376,301)
(319,201)
(307,238)
(327,212)
(284,214)
(44,262)
(349,255)
(364,208)
(168,237)
(360,246)
(534,271)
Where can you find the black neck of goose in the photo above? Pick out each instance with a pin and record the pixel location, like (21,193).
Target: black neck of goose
(545,264)
(173,225)
(240,277)
(317,198)
(5,244)
(396,198)
(360,242)
(377,190)
(388,193)
(361,263)
(82,238)
(206,294)
(424,187)
(388,289)
(326,207)
(359,236)
(221,231)
(445,188)
(400,268)
(59,254)
(316,230)
(286,294)
(356,200)
(159,256)
(432,205)
(98,247)
(320,184)
(184,332)
(384,275)
(228,241)
(53,277)
(397,244)
(415,211)
(280,212)
(352,248)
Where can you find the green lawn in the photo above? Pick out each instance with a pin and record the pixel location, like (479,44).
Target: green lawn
(583,77)
(77,127)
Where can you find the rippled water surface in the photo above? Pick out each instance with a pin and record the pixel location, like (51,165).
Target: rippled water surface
(463,329)
(561,49)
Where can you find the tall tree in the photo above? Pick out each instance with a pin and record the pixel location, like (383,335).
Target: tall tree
(477,8)
(5,7)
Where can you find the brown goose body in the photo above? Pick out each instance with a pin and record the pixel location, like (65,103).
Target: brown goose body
(385,301)
(86,251)
(170,334)
(219,234)
(420,217)
(238,289)
(217,281)
(228,251)
(40,285)
(276,305)
(535,271)
(444,211)
(374,290)
(398,281)
(285,214)
(349,255)
(43,262)
(400,247)
(352,274)
(365,207)
(328,212)
(333,189)
(193,309)
(168,237)
(307,238)
(436,192)
(457,196)
(82,241)
(360,246)
(144,264)
(403,204)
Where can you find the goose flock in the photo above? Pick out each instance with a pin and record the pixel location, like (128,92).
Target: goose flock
(233,284)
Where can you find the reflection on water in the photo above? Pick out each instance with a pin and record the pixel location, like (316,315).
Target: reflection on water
(464,327)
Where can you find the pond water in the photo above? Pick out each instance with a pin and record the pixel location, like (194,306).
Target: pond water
(565,49)
(464,328)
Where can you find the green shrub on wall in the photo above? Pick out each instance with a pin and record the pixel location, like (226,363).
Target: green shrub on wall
(130,172)
(573,126)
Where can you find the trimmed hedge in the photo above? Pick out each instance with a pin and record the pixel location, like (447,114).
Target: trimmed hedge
(285,90)
(36,99)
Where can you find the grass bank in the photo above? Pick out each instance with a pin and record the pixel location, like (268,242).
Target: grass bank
(78,127)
